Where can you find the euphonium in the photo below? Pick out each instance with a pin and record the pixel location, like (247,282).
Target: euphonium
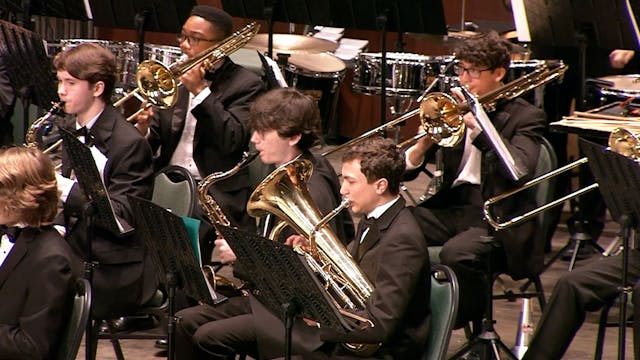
(284,193)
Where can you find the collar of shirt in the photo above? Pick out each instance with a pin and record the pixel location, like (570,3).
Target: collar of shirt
(90,123)
(379,210)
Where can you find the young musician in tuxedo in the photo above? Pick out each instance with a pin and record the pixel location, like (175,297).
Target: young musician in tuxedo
(37,267)
(207,130)
(285,125)
(391,252)
(86,78)
(472,173)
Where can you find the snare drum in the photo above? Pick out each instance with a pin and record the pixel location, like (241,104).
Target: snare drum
(407,74)
(616,88)
(125,52)
(161,53)
(319,76)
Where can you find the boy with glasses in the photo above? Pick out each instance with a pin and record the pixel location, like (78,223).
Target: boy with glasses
(472,173)
(207,131)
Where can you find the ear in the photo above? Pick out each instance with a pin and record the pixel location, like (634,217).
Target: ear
(499,74)
(98,89)
(293,140)
(381,186)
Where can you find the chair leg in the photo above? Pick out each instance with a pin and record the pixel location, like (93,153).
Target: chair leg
(94,340)
(540,292)
(115,342)
(602,329)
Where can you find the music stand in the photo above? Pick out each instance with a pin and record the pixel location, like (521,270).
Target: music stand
(172,254)
(618,180)
(98,204)
(141,15)
(419,16)
(28,67)
(286,284)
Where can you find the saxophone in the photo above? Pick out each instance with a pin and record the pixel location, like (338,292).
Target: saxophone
(31,136)
(218,217)
(210,206)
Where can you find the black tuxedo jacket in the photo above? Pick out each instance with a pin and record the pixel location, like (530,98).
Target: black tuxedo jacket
(120,281)
(221,134)
(36,291)
(395,259)
(520,126)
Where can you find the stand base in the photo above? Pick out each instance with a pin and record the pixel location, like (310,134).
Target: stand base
(486,346)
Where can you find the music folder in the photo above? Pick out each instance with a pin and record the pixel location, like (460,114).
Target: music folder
(283,276)
(91,183)
(167,240)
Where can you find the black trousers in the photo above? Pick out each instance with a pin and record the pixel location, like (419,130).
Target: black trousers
(206,332)
(587,288)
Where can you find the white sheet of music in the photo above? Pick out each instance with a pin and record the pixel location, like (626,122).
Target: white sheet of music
(276,71)
(520,19)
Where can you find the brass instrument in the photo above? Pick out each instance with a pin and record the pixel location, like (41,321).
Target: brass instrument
(215,213)
(284,193)
(31,136)
(158,83)
(620,140)
(441,114)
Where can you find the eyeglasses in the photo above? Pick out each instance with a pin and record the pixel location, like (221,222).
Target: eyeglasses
(472,72)
(192,40)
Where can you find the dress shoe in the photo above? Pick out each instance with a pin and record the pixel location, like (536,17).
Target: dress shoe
(132,323)
(162,344)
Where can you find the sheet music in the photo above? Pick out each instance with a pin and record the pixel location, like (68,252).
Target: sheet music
(520,20)
(276,71)
(634,23)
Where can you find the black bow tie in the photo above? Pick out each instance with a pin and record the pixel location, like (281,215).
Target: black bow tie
(83,131)
(12,232)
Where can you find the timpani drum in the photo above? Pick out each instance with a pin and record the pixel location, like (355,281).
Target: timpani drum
(613,88)
(162,53)
(319,76)
(407,74)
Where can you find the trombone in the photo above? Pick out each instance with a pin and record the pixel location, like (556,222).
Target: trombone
(441,114)
(157,83)
(620,140)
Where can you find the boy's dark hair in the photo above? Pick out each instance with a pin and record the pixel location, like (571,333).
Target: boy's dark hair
(91,62)
(379,158)
(289,112)
(488,50)
(220,19)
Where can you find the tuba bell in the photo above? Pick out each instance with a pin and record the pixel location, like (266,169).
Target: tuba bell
(284,193)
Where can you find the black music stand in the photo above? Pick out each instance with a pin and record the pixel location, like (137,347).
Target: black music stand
(28,68)
(97,210)
(172,254)
(286,284)
(605,24)
(142,15)
(419,16)
(618,180)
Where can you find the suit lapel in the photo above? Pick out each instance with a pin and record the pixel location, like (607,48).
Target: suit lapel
(178,117)
(382,224)
(16,255)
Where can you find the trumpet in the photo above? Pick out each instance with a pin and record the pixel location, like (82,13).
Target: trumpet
(620,141)
(158,83)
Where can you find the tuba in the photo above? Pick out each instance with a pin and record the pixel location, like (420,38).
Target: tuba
(284,193)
